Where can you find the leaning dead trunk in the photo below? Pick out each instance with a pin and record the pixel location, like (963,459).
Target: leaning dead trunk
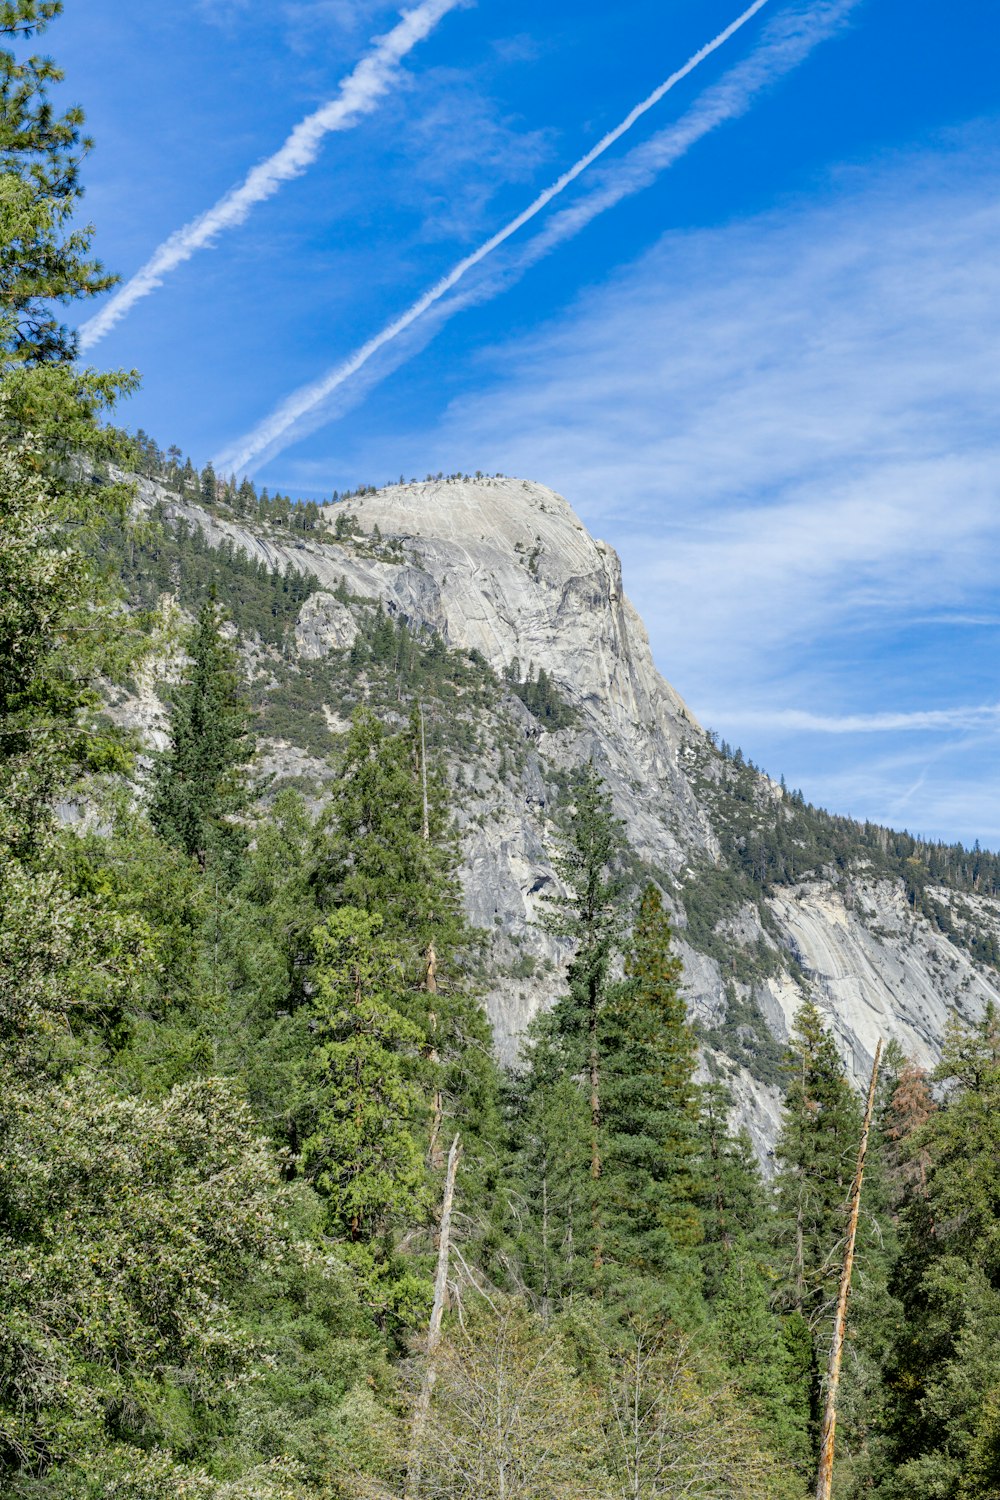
(825,1478)
(423,1406)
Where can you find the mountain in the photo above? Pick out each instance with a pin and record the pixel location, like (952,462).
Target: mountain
(487,601)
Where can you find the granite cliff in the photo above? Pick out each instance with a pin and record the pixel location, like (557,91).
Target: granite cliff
(500,575)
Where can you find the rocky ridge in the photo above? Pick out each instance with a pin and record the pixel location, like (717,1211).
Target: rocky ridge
(503,569)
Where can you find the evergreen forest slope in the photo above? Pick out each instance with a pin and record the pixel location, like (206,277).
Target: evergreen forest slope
(286,792)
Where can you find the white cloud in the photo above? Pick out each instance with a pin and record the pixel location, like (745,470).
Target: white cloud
(789,424)
(788,428)
(973,716)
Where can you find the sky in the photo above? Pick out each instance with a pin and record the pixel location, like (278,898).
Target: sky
(752,336)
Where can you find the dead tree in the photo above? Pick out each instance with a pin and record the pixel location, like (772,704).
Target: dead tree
(423,1406)
(824,1479)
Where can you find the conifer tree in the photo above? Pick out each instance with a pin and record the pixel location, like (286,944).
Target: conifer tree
(758,1352)
(246,498)
(591,917)
(42,259)
(732,1198)
(374,851)
(361,1104)
(649,1112)
(209,485)
(815,1153)
(939,1427)
(199,782)
(550,1198)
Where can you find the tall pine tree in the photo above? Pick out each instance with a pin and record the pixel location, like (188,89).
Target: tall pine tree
(816,1152)
(591,917)
(361,1107)
(382,847)
(199,781)
(941,1433)
(649,1116)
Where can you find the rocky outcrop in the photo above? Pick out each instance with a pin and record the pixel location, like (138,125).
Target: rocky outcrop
(506,569)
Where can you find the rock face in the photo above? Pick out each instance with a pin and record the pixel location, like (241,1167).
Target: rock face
(505,568)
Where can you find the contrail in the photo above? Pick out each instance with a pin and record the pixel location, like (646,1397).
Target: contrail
(358,95)
(305,400)
(788,42)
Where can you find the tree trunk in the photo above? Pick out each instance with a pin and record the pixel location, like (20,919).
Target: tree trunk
(423,1406)
(423,779)
(595,1125)
(824,1479)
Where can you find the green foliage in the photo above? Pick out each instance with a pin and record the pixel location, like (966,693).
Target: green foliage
(937,1430)
(732,1199)
(198,787)
(591,916)
(42,260)
(541,697)
(173,556)
(549,1201)
(374,854)
(361,1107)
(759,1354)
(816,1153)
(127,1229)
(57,632)
(377,853)
(649,1116)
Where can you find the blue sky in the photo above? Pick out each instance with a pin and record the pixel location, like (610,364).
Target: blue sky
(760,358)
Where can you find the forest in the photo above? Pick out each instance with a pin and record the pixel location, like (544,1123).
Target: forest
(274,1224)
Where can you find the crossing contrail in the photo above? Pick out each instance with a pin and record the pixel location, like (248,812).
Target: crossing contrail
(358,95)
(305,400)
(787,42)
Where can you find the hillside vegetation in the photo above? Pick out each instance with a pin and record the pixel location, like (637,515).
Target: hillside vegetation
(274,1224)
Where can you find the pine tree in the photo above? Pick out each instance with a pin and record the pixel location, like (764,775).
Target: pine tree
(362,1106)
(649,1113)
(731,1195)
(759,1355)
(377,851)
(199,782)
(815,1153)
(209,485)
(42,258)
(246,498)
(550,1197)
(591,917)
(940,1373)
(372,852)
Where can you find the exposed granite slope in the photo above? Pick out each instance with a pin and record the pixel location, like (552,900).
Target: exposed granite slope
(505,567)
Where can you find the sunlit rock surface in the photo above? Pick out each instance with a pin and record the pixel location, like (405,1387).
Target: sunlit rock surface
(505,567)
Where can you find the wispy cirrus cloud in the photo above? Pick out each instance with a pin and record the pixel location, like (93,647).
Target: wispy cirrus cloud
(787,426)
(971,716)
(360,93)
